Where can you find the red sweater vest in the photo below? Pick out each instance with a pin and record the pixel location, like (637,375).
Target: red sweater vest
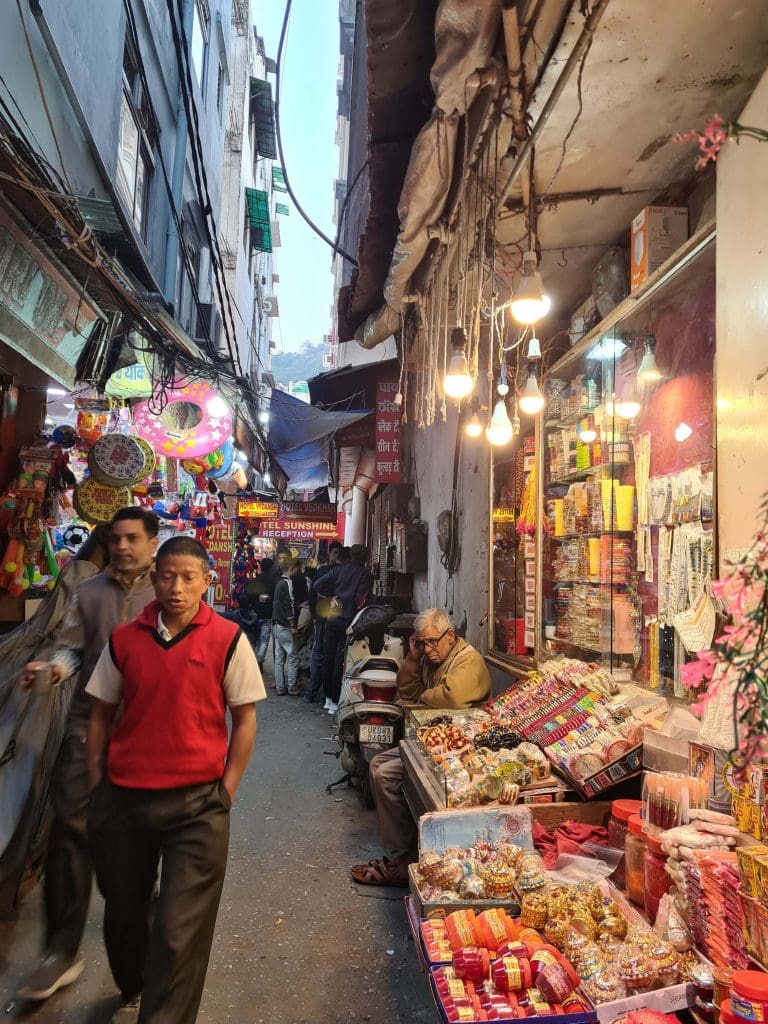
(173,729)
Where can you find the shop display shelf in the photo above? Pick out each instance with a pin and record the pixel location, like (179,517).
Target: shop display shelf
(593,534)
(584,474)
(572,418)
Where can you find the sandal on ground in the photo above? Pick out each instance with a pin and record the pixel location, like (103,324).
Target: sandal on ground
(380,871)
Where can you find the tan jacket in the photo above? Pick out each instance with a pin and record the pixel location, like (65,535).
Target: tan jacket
(458,682)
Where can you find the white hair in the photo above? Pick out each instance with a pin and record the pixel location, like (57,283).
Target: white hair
(433,617)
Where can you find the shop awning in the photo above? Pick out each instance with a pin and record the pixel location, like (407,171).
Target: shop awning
(263,118)
(258,219)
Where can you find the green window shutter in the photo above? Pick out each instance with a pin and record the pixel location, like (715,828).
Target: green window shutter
(263,118)
(258,218)
(278,180)
(282,208)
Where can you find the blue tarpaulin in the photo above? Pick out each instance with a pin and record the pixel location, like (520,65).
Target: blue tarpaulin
(300,436)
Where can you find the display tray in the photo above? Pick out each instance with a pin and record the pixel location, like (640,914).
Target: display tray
(429,910)
(563,1018)
(609,775)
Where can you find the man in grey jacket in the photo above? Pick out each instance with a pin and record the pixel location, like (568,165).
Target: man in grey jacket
(109,599)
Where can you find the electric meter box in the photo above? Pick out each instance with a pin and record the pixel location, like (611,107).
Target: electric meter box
(657,232)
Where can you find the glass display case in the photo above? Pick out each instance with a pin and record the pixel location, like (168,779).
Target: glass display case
(627,486)
(513,548)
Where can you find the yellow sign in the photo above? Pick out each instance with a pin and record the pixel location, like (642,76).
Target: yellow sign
(504,514)
(252,509)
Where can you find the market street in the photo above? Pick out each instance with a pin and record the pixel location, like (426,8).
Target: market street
(296,941)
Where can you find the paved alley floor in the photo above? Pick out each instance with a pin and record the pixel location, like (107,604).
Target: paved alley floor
(297,942)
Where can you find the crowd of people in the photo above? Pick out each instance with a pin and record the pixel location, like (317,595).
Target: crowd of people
(145,676)
(306,618)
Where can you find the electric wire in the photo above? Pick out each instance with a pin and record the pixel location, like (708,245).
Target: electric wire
(337,249)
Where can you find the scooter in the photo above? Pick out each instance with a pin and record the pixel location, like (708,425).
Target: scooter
(368,720)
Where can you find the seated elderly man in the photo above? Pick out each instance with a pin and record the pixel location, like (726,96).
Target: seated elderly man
(441,671)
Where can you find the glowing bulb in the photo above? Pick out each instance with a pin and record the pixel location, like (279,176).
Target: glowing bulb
(530,303)
(532,400)
(263,417)
(217,407)
(588,436)
(627,408)
(499,430)
(648,371)
(474,428)
(458,382)
(682,432)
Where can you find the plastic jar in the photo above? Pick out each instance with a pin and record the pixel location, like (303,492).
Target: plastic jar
(749,995)
(634,867)
(621,812)
(656,880)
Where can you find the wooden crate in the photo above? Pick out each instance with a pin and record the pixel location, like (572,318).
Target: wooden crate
(592,812)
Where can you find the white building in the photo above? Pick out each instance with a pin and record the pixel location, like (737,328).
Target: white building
(252,201)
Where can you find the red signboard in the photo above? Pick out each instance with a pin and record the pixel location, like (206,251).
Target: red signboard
(220,541)
(300,529)
(387,433)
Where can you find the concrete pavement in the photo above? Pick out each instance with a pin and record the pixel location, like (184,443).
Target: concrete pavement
(297,942)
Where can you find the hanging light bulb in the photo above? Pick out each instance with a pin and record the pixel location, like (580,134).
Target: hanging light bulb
(499,430)
(458,382)
(530,303)
(474,427)
(648,371)
(627,408)
(534,348)
(531,400)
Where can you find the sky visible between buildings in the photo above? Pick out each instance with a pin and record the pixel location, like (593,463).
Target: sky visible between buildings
(308,121)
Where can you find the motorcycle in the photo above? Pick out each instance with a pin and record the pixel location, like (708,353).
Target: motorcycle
(368,720)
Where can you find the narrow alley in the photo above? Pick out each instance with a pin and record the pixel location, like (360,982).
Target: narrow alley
(296,941)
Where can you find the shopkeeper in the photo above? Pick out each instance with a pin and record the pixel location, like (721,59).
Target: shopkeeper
(441,671)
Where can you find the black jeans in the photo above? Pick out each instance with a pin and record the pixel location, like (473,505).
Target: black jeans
(334,642)
(67,870)
(160,949)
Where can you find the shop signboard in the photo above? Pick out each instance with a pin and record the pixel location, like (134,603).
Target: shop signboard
(43,315)
(252,508)
(220,541)
(387,448)
(358,435)
(317,511)
(303,530)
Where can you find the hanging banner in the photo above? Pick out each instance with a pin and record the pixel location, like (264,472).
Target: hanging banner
(220,541)
(388,417)
(299,529)
(319,511)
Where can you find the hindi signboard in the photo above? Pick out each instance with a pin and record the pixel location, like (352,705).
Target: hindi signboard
(388,417)
(220,541)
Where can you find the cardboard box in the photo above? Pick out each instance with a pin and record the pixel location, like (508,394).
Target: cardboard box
(747,857)
(657,233)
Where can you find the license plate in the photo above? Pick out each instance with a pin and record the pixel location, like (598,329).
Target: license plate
(376,733)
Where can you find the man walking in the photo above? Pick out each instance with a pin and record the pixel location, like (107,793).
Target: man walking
(348,585)
(319,610)
(258,596)
(163,784)
(100,604)
(284,631)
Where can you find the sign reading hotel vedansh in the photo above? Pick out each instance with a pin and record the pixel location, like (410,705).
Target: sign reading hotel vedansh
(387,433)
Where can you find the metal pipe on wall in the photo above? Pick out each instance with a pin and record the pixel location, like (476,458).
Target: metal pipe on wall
(172,239)
(571,64)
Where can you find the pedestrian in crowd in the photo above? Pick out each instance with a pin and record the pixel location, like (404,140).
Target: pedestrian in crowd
(35,724)
(258,595)
(100,604)
(440,671)
(319,608)
(163,781)
(348,586)
(283,630)
(302,621)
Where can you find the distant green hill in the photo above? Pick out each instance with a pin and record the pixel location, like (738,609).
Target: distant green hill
(301,365)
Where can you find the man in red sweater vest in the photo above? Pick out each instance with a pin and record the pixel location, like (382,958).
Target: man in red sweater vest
(163,783)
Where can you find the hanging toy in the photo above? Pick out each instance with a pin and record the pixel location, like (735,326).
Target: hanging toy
(181,432)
